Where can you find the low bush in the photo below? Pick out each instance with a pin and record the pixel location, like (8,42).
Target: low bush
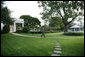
(73,33)
(6,29)
(25,30)
(36,32)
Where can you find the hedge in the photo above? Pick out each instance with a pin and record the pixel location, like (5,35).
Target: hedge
(74,33)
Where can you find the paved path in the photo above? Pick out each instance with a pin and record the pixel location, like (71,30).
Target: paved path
(57,50)
(41,37)
(24,35)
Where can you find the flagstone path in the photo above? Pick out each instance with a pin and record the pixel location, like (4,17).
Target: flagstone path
(57,51)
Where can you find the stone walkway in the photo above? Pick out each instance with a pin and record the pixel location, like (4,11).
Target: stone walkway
(23,35)
(57,50)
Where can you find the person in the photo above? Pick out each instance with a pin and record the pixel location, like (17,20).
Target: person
(43,33)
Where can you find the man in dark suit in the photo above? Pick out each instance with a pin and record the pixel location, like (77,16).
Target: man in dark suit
(43,32)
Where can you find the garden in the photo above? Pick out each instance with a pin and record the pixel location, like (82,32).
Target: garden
(61,34)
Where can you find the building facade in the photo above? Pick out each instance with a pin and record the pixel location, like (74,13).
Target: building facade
(13,27)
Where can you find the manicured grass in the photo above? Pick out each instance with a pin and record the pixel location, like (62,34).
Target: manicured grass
(12,45)
(72,46)
(51,35)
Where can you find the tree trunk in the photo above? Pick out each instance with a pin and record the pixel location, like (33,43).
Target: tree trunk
(65,28)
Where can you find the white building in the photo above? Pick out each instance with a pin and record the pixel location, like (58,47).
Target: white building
(13,27)
(75,28)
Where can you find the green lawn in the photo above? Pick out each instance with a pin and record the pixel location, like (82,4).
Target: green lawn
(12,45)
(24,46)
(51,35)
(72,46)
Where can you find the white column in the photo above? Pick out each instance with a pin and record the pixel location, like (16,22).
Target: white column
(14,27)
(22,24)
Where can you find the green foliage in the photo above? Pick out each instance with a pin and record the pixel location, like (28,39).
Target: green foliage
(55,25)
(5,16)
(18,31)
(56,22)
(30,22)
(74,33)
(26,29)
(46,28)
(70,9)
(6,29)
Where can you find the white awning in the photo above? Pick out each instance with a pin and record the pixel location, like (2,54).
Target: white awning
(75,26)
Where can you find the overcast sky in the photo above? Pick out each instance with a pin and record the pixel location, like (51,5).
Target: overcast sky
(19,8)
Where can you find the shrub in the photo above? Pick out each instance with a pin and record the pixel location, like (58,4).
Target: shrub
(25,29)
(36,32)
(18,31)
(6,29)
(74,33)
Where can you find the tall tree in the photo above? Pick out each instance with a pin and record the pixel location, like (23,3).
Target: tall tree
(64,9)
(5,15)
(5,18)
(30,22)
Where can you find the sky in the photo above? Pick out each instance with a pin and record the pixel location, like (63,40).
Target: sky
(19,8)
(31,8)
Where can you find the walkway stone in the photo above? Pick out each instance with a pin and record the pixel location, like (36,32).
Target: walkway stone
(57,51)
(55,55)
(58,48)
(57,44)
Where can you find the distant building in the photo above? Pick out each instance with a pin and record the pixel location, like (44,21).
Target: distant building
(76,28)
(14,26)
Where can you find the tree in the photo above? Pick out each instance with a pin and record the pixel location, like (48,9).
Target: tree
(30,22)
(5,15)
(63,9)
(56,23)
(5,18)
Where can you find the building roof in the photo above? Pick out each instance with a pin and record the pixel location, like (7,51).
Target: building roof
(19,21)
(75,26)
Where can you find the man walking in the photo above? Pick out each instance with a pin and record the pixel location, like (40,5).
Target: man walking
(43,33)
